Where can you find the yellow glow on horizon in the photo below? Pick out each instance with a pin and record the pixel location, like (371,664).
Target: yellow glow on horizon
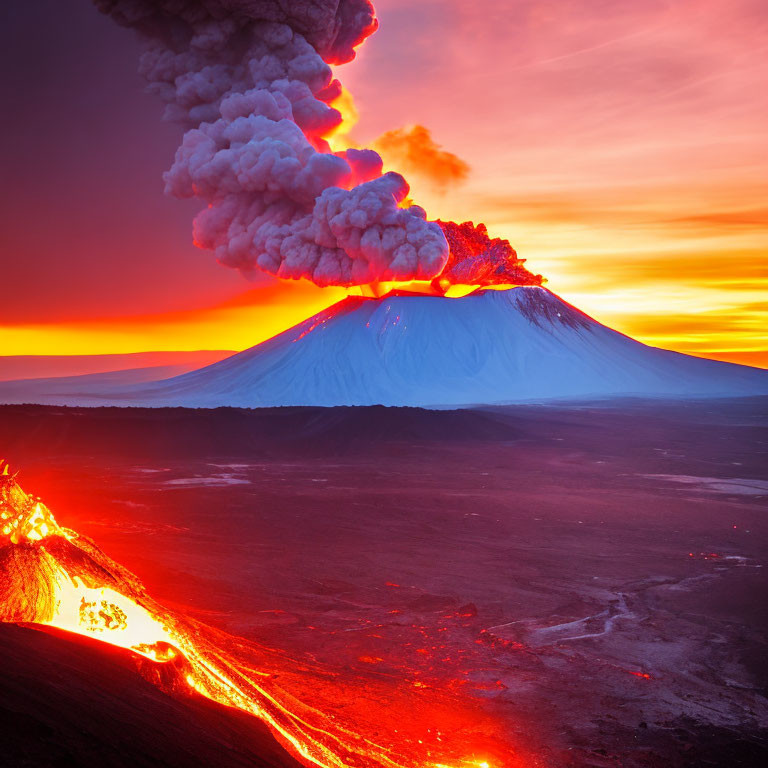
(233,327)
(700,321)
(696,288)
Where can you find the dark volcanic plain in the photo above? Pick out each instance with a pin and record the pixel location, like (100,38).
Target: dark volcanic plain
(592,574)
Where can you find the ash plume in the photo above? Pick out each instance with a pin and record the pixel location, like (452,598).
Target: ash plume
(414,150)
(251,82)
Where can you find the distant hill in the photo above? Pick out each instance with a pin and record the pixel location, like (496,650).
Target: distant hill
(14,367)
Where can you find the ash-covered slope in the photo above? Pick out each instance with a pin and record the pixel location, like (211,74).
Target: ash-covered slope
(490,347)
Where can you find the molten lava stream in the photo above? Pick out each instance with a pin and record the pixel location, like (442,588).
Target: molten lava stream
(57,578)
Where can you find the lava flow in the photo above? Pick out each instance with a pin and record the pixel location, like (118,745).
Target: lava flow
(54,577)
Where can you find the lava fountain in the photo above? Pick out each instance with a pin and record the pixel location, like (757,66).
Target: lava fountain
(55,577)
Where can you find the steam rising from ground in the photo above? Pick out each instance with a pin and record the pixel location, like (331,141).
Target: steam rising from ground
(251,81)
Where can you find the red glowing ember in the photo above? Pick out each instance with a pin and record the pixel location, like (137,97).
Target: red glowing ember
(476,259)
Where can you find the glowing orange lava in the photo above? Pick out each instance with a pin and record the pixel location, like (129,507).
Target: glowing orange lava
(54,577)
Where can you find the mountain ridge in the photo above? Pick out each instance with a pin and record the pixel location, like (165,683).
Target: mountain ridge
(490,347)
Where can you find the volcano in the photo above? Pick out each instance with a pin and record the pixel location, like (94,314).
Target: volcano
(403,349)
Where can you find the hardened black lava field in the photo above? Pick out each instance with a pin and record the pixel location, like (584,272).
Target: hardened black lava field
(591,576)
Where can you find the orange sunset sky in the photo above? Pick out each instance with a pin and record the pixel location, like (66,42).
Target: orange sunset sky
(620,147)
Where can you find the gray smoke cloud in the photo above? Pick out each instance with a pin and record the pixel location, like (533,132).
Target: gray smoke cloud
(251,82)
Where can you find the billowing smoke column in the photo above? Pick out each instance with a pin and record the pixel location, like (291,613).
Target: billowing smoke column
(251,81)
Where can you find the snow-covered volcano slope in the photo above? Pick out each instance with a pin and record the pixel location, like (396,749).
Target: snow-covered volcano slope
(490,347)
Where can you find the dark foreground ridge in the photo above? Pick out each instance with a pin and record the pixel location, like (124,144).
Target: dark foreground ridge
(70,701)
(29,432)
(232,431)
